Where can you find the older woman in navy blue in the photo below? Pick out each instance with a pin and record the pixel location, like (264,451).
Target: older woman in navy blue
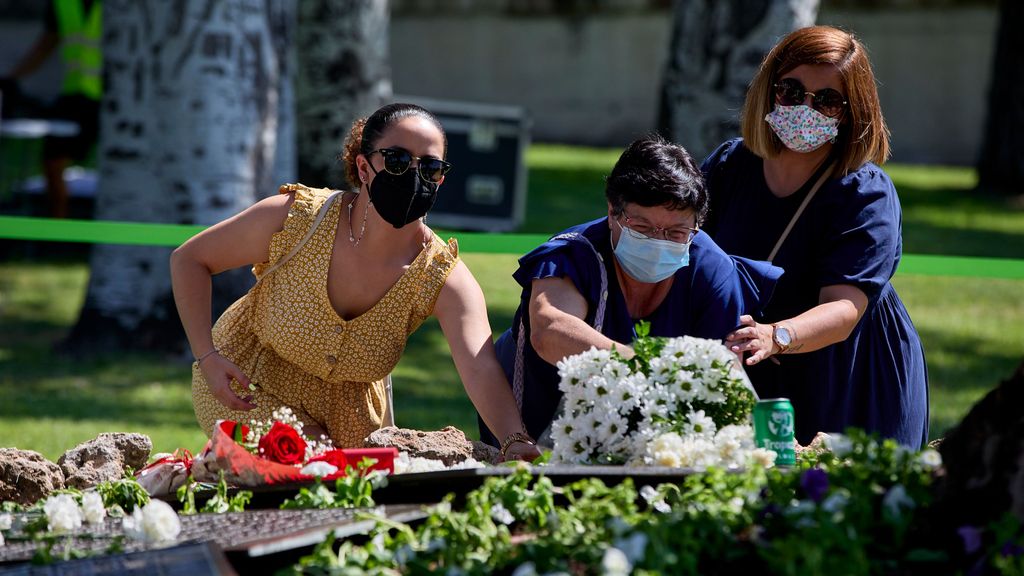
(842,345)
(647,260)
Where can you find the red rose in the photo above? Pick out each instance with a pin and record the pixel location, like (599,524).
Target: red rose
(283,444)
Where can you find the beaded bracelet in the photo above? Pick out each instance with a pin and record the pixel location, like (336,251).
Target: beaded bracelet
(204,356)
(513,438)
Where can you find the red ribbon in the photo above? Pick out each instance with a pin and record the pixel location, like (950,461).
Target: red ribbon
(180,455)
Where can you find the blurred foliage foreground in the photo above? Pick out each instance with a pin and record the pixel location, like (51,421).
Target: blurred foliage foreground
(972,328)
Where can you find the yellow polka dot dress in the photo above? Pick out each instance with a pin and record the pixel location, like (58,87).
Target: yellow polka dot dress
(288,339)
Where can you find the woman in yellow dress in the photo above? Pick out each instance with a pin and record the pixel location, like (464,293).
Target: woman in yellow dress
(342,280)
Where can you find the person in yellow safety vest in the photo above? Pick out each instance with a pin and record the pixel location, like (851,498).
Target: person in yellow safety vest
(76,26)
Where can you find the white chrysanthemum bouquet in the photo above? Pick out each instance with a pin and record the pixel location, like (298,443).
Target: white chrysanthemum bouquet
(682,402)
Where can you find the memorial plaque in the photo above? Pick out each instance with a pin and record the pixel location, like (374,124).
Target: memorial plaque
(248,538)
(195,559)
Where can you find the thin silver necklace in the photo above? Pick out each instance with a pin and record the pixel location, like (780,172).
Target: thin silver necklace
(362,229)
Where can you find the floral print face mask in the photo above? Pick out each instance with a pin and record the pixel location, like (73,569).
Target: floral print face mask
(802,128)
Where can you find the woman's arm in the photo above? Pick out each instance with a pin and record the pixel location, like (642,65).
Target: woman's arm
(839,309)
(239,240)
(558,329)
(462,313)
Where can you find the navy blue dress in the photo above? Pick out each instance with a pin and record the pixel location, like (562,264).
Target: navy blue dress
(849,234)
(705,300)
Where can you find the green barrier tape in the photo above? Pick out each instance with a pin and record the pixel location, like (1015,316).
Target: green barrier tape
(143,234)
(95,232)
(931,265)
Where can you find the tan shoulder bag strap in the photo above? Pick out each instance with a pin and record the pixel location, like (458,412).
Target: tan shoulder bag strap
(309,234)
(807,200)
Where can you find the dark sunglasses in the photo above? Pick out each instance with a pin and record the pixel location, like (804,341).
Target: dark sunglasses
(790,92)
(397,161)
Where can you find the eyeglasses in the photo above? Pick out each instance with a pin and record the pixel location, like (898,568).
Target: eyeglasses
(397,161)
(677,234)
(790,92)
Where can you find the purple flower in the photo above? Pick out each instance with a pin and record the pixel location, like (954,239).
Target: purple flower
(1011,549)
(971,537)
(814,483)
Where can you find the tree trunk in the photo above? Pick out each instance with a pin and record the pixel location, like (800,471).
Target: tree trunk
(194,99)
(343,74)
(716,48)
(1001,164)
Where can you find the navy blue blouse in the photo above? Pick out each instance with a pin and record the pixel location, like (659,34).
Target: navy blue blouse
(705,300)
(850,233)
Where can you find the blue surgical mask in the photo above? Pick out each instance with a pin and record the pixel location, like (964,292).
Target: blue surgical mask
(649,259)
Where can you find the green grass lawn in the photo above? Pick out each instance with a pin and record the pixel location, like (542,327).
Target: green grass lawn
(973,328)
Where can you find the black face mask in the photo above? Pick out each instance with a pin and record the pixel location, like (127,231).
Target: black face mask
(401,199)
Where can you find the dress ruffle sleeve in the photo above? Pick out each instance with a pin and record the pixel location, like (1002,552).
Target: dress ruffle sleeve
(862,244)
(562,258)
(300,216)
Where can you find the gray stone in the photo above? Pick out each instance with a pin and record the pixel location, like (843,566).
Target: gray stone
(448,445)
(104,458)
(483,452)
(26,476)
(817,445)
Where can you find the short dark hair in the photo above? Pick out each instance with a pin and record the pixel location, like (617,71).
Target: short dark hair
(655,172)
(366,132)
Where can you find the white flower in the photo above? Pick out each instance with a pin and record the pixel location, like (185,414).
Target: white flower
(648,493)
(734,444)
(838,444)
(434,545)
(615,562)
(62,513)
(698,453)
(525,569)
(92,508)
(501,514)
(319,469)
(700,424)
(666,450)
(896,499)
(800,508)
(377,542)
(654,500)
(930,458)
(6,521)
(633,547)
(155,522)
(763,457)
(404,554)
(836,501)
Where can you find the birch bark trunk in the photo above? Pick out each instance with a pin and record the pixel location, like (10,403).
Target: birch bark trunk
(716,47)
(196,99)
(344,73)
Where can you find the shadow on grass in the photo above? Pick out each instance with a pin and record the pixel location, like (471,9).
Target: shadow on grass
(428,392)
(961,370)
(560,198)
(140,389)
(969,216)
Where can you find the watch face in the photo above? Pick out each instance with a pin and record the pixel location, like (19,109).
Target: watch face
(782,336)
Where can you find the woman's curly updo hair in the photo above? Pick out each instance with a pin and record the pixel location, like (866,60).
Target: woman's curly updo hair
(367,132)
(655,172)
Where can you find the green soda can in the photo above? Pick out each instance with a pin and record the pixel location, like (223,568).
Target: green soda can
(774,429)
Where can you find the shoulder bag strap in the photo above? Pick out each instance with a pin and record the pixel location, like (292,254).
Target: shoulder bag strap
(309,234)
(807,200)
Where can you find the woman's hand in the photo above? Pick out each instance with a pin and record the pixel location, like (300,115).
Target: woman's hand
(218,372)
(752,338)
(521,451)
